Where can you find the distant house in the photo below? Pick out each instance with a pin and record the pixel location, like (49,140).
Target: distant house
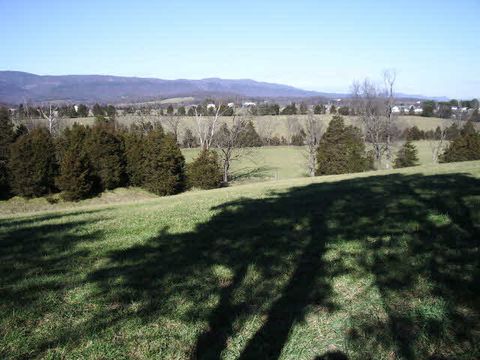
(396,110)
(249,104)
(231,105)
(418,111)
(211,106)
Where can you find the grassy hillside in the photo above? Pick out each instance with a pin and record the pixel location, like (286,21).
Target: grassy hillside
(373,265)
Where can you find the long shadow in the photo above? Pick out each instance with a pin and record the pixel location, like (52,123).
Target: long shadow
(270,259)
(284,237)
(39,261)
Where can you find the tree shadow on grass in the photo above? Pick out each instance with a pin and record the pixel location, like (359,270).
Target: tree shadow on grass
(243,280)
(38,263)
(265,258)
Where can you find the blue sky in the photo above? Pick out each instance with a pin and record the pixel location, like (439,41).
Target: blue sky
(317,45)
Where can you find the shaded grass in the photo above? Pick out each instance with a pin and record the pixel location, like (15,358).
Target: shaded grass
(348,266)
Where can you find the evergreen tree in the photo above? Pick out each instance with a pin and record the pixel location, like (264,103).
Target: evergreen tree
(191,111)
(464,147)
(170,110)
(189,140)
(249,137)
(342,150)
(164,164)
(290,109)
(333,109)
(76,179)
(205,172)
(181,111)
(7,137)
(134,157)
(97,110)
(82,110)
(319,109)
(105,151)
(406,156)
(32,164)
(414,134)
(428,108)
(303,108)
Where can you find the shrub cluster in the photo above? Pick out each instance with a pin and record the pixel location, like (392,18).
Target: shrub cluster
(84,161)
(465,147)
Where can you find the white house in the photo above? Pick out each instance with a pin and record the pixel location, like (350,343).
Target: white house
(396,110)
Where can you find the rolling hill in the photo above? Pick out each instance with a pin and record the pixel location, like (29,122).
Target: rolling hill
(17,87)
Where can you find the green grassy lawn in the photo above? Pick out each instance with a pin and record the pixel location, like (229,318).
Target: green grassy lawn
(380,265)
(286,162)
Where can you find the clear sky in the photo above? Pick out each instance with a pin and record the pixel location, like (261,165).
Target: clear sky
(320,45)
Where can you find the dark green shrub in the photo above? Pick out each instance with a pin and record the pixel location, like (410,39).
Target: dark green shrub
(7,137)
(134,157)
(105,152)
(406,156)
(464,147)
(32,164)
(164,164)
(205,172)
(342,150)
(76,179)
(249,137)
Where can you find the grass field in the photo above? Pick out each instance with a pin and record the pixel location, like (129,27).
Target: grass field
(378,265)
(277,124)
(286,162)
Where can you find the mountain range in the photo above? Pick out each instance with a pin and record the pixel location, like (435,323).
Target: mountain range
(18,87)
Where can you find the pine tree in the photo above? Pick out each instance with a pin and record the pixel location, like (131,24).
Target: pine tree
(189,140)
(164,164)
(406,156)
(249,137)
(82,110)
(76,179)
(97,110)
(134,156)
(205,172)
(342,150)
(32,164)
(181,111)
(7,137)
(105,151)
(464,147)
(170,110)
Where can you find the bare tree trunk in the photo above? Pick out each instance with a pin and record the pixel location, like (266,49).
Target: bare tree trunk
(52,119)
(313,131)
(389,77)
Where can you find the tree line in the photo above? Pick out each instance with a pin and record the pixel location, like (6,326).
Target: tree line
(83,161)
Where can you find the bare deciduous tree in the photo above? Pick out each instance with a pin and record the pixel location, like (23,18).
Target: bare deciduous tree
(173,123)
(369,105)
(265,128)
(207,124)
(313,129)
(50,113)
(374,107)
(438,143)
(293,127)
(389,78)
(226,140)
